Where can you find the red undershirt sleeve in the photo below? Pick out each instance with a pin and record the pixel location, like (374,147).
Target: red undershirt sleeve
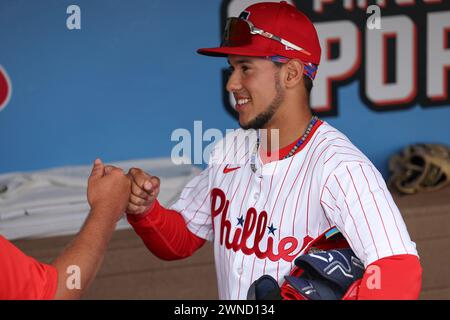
(165,233)
(23,277)
(396,277)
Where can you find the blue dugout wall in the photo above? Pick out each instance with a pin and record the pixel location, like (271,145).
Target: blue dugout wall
(118,87)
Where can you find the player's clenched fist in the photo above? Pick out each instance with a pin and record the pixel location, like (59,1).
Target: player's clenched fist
(109,188)
(144,191)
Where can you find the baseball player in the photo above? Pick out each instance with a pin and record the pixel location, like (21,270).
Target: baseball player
(262,205)
(24,278)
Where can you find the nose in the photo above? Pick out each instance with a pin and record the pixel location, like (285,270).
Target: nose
(234,82)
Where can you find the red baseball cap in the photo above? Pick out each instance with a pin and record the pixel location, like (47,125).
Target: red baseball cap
(280,20)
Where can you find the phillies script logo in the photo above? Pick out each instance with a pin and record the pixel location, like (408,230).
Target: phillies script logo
(254,224)
(5,88)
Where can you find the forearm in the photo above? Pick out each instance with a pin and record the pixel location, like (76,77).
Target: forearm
(85,253)
(165,233)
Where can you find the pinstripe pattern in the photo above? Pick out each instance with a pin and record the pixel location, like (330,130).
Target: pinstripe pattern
(264,217)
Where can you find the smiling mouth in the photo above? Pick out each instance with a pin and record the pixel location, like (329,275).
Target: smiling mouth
(242,103)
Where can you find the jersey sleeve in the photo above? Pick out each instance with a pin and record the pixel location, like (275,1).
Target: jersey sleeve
(24,278)
(195,206)
(355,197)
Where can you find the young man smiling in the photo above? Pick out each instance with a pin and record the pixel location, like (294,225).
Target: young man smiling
(261,209)
(261,87)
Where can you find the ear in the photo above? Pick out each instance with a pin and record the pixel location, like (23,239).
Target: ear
(294,73)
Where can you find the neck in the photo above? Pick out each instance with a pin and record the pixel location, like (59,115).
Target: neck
(276,137)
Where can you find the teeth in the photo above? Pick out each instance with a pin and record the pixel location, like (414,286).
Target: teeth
(243,101)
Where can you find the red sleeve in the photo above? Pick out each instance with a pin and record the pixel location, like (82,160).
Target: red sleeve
(165,233)
(396,277)
(24,278)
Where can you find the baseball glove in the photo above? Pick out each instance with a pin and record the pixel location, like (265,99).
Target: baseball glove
(419,168)
(328,269)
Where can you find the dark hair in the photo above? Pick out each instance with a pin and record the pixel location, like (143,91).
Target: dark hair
(306,80)
(308,84)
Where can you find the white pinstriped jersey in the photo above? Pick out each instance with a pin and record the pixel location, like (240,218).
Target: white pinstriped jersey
(259,221)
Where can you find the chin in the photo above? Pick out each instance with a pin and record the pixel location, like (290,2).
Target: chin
(248,125)
(259,122)
(242,122)
(245,124)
